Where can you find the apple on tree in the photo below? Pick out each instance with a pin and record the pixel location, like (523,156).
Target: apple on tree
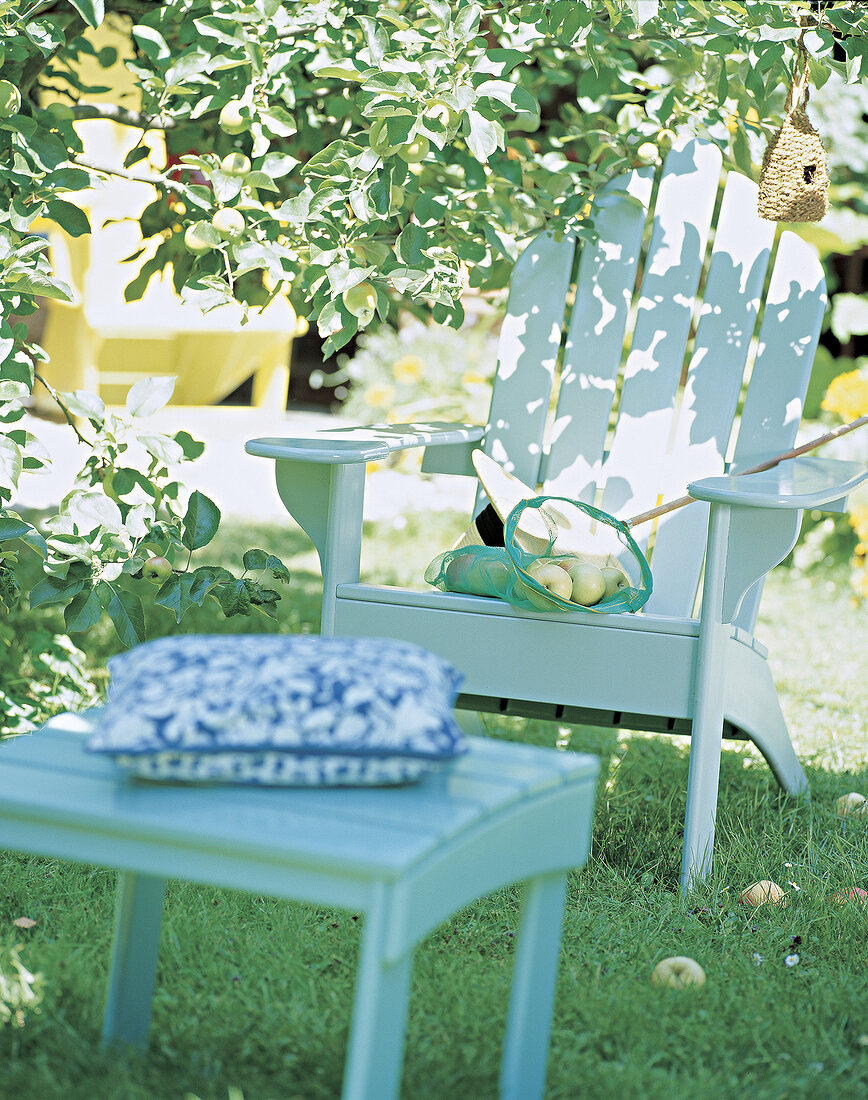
(233,119)
(415,151)
(157,570)
(229,223)
(361,301)
(195,242)
(10,99)
(236,164)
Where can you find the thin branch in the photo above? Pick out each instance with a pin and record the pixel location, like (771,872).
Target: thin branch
(122,115)
(156,181)
(63,408)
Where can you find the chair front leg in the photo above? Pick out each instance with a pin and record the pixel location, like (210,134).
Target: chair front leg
(710,688)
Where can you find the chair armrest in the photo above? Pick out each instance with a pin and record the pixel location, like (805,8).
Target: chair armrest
(795,483)
(340,446)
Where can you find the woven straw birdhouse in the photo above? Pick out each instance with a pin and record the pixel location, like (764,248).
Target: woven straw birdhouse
(794,182)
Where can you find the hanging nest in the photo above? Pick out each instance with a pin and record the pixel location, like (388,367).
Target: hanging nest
(794,181)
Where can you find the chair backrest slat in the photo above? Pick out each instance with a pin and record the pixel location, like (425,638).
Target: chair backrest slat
(595,340)
(793,315)
(530,341)
(682,218)
(727,322)
(789,333)
(666,422)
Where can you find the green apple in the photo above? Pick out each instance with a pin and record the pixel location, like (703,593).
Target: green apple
(232,120)
(229,224)
(852,804)
(415,151)
(194,243)
(396,197)
(552,577)
(678,972)
(589,584)
(361,301)
(615,579)
(378,138)
(10,99)
(441,112)
(763,892)
(236,164)
(157,570)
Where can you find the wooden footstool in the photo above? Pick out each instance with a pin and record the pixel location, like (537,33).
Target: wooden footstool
(407,857)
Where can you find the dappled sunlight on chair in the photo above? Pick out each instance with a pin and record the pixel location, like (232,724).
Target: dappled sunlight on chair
(697,398)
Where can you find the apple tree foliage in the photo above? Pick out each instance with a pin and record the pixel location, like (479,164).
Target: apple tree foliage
(401,149)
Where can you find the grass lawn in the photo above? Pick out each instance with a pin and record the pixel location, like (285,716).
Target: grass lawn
(253,995)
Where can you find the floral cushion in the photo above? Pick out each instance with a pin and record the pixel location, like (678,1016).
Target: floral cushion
(279,710)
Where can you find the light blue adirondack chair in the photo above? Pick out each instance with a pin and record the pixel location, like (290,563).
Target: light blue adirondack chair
(669,415)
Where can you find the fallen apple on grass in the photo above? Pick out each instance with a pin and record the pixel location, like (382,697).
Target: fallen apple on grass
(678,972)
(850,893)
(763,892)
(851,805)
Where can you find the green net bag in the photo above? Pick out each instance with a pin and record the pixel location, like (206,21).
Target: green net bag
(556,552)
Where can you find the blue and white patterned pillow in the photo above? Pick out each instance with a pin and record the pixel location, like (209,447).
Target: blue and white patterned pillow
(297,710)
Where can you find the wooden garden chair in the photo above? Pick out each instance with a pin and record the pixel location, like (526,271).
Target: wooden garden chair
(686,401)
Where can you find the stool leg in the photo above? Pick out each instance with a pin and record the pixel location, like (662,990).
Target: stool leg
(375,1052)
(134,959)
(531,999)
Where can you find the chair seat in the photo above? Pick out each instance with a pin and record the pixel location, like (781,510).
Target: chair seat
(632,668)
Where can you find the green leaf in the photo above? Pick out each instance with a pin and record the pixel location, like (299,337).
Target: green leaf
(192,448)
(72,219)
(235,598)
(149,395)
(139,152)
(200,522)
(466,23)
(151,43)
(83,403)
(483,136)
(84,611)
(126,613)
(162,447)
(277,568)
(11,463)
(34,282)
(278,122)
(410,245)
(92,510)
(174,594)
(52,589)
(275,165)
(91,11)
(12,526)
(254,559)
